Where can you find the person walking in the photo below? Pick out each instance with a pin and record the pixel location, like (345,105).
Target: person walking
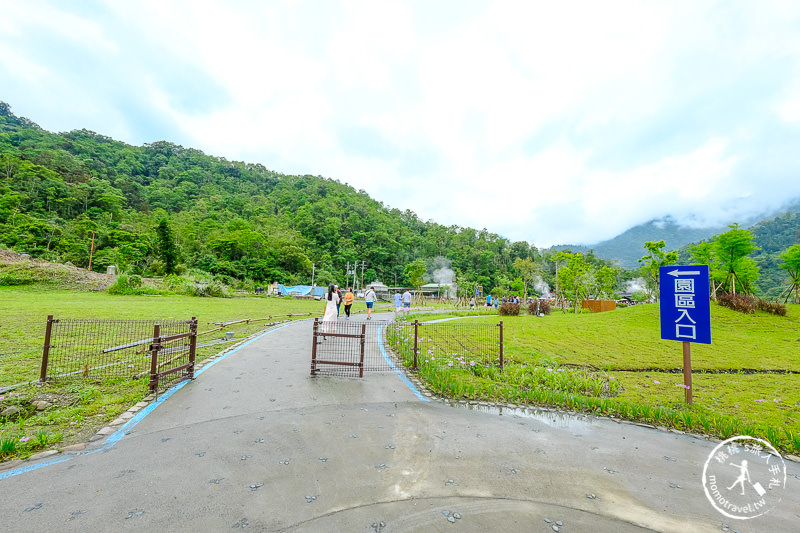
(330,315)
(398,299)
(407,300)
(348,302)
(339,294)
(370,298)
(472,303)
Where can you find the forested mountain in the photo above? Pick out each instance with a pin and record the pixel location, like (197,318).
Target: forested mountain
(161,208)
(772,236)
(626,248)
(68,196)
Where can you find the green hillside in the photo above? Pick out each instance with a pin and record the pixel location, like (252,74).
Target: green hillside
(70,196)
(87,200)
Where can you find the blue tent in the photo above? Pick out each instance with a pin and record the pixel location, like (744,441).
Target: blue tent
(302,290)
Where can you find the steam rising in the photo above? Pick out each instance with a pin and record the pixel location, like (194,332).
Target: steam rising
(542,287)
(443,275)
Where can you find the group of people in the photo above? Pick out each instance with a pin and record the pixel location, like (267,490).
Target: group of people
(404,300)
(334,299)
(494,301)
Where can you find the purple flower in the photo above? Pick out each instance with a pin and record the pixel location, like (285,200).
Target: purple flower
(656,382)
(761,401)
(24,439)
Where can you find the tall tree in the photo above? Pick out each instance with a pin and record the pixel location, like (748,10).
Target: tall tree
(529,271)
(415,273)
(791,258)
(732,249)
(656,257)
(167,250)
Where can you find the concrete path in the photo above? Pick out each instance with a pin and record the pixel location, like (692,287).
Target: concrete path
(255,442)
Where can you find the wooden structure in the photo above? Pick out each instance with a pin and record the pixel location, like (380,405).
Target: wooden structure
(598,306)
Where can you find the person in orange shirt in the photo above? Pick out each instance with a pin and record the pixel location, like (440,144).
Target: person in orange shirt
(348,302)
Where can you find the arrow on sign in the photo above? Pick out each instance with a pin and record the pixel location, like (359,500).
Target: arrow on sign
(675,273)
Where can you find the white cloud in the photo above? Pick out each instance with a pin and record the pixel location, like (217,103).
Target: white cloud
(545,121)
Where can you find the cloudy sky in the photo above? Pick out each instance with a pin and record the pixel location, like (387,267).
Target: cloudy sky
(551,122)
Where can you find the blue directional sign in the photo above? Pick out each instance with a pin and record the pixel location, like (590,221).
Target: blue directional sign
(685,306)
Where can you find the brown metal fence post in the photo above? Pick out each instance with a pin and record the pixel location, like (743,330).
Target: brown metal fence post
(154,348)
(46,350)
(192,346)
(416,338)
(501,344)
(363,342)
(314,347)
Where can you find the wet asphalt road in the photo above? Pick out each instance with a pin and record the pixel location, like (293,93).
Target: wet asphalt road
(256,443)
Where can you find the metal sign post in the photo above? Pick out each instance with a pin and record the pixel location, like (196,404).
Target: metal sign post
(685,311)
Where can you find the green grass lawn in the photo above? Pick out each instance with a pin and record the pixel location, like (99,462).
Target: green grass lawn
(611,363)
(83,406)
(748,379)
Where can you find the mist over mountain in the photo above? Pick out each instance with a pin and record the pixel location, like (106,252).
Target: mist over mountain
(627,248)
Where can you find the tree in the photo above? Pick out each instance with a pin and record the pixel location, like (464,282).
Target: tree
(574,279)
(415,273)
(791,258)
(529,271)
(732,249)
(656,258)
(167,250)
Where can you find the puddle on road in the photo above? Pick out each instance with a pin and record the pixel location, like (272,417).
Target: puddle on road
(555,419)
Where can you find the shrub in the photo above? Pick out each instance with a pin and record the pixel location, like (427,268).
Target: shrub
(749,304)
(543,306)
(123,286)
(775,308)
(508,310)
(742,303)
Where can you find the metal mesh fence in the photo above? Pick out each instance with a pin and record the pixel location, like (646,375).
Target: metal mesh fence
(352,348)
(105,349)
(447,343)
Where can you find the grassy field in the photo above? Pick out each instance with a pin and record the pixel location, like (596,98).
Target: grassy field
(81,407)
(610,363)
(747,380)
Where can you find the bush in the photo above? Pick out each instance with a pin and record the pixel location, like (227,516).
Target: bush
(508,310)
(749,304)
(543,306)
(215,288)
(123,286)
(774,308)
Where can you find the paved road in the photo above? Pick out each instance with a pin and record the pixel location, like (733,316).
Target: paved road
(255,442)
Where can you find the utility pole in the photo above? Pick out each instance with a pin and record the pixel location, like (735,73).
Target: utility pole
(313,270)
(363,264)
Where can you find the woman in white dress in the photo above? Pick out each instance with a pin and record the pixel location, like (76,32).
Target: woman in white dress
(330,316)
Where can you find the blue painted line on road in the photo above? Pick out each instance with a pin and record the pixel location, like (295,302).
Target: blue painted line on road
(125,429)
(30,468)
(398,371)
